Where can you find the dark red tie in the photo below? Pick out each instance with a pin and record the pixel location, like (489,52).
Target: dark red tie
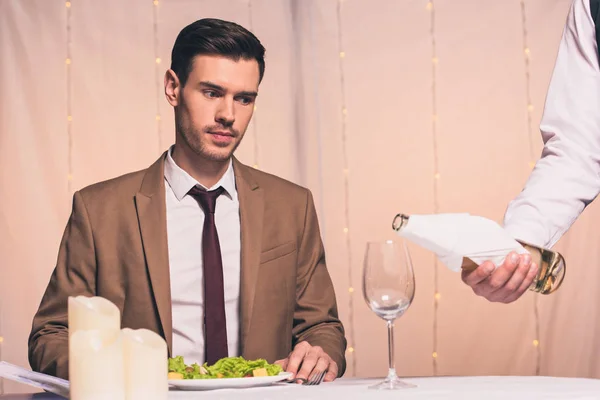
(215,326)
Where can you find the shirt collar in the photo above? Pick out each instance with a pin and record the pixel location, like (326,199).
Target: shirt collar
(181,182)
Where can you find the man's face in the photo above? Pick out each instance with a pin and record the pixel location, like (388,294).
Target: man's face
(215,105)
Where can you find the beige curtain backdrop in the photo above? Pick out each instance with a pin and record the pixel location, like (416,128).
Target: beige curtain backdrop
(383,114)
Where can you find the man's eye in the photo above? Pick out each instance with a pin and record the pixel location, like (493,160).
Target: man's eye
(245,100)
(211,93)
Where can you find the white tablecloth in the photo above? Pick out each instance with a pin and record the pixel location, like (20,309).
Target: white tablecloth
(464,388)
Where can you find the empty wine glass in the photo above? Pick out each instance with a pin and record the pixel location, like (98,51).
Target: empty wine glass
(388,289)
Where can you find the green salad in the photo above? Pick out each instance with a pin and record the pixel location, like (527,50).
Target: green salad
(230,367)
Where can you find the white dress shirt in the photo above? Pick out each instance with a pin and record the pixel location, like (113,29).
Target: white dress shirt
(185,220)
(567,177)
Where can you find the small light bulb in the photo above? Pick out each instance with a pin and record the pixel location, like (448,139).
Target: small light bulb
(536,343)
(530,107)
(435,60)
(1,339)
(437,296)
(255,108)
(437,175)
(345,230)
(157,60)
(342,54)
(531,164)
(351,290)
(434,355)
(68,4)
(527,51)
(350,349)
(155,2)
(158,117)
(69,177)
(68,61)
(429,6)
(69,118)
(255,166)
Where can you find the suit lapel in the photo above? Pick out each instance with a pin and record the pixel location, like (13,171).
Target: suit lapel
(251,200)
(152,217)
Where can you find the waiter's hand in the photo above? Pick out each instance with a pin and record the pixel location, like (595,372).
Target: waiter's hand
(305,361)
(506,283)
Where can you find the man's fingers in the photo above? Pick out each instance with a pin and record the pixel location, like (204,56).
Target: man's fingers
(502,275)
(533,270)
(519,275)
(309,362)
(295,359)
(332,373)
(282,363)
(479,274)
(322,365)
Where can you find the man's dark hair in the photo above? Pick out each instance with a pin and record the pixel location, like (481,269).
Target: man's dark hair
(211,36)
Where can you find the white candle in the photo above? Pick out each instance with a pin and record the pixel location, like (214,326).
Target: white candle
(93,313)
(145,362)
(96,365)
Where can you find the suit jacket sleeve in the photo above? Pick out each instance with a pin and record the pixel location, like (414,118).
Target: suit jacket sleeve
(73,275)
(316,317)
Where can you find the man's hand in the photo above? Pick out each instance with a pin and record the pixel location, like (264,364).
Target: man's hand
(506,283)
(305,361)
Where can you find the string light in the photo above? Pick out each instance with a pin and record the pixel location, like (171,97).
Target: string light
(527,54)
(255,166)
(437,296)
(436,176)
(157,74)
(1,339)
(344,113)
(351,289)
(255,118)
(69,79)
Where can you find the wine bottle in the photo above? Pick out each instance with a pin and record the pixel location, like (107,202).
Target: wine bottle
(551,264)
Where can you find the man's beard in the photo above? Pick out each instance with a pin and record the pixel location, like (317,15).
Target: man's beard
(193,138)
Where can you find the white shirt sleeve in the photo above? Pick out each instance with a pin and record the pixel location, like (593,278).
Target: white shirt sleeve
(567,177)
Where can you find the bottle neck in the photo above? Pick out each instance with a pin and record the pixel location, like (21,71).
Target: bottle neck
(399,222)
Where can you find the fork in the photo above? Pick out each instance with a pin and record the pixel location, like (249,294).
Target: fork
(315,380)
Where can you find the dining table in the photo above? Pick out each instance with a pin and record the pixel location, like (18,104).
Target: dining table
(464,388)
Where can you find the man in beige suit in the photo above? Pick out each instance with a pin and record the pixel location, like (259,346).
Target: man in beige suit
(218,258)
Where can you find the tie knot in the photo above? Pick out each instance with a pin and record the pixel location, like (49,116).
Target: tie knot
(206,199)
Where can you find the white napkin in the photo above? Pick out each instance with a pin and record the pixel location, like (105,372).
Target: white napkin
(41,381)
(454,236)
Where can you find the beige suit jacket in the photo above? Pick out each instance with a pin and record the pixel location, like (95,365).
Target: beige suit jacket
(115,246)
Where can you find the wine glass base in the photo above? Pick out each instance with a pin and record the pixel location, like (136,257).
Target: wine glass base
(392,383)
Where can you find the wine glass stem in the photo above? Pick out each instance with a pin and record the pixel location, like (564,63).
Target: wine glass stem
(392,369)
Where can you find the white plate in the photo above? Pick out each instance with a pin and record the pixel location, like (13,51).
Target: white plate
(227,383)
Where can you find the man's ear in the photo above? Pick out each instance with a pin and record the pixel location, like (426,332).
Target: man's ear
(172,88)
